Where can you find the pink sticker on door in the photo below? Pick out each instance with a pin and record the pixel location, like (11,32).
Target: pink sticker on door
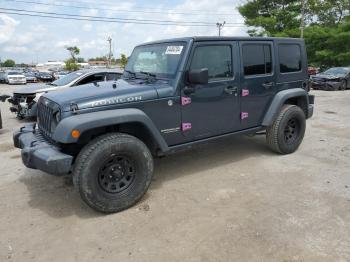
(186,126)
(245,92)
(185,100)
(244,115)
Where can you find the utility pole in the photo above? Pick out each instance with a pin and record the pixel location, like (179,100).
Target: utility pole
(302,22)
(110,51)
(220,26)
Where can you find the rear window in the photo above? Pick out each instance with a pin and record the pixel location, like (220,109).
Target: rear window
(257,59)
(290,58)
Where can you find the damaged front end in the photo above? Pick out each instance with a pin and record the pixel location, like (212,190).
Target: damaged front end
(24,105)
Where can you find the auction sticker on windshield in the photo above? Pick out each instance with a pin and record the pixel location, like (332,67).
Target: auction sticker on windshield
(174,50)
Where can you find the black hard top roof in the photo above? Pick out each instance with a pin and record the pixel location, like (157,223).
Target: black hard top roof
(224,38)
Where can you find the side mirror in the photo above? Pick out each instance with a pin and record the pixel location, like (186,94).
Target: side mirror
(198,76)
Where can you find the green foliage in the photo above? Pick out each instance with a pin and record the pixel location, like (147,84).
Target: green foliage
(9,63)
(73,51)
(123,60)
(327,26)
(71,65)
(80,60)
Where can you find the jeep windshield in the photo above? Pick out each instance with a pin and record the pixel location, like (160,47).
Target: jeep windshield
(155,60)
(65,80)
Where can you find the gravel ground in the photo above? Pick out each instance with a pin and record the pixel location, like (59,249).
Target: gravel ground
(230,200)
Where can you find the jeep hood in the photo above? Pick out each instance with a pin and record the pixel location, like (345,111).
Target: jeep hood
(104,94)
(33,89)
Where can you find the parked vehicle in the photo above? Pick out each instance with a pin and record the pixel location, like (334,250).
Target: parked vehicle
(2,99)
(60,74)
(24,101)
(2,77)
(336,78)
(14,77)
(30,77)
(45,77)
(174,94)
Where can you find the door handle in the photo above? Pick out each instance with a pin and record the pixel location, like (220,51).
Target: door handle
(231,89)
(268,85)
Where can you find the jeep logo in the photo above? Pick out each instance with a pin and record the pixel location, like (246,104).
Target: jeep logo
(116,100)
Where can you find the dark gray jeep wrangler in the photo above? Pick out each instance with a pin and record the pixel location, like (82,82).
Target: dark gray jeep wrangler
(173,94)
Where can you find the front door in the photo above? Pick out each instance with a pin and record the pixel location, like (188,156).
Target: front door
(212,109)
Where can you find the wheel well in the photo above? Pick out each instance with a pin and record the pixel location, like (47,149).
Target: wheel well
(299,101)
(133,128)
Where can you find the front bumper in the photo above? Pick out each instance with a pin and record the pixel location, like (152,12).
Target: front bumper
(38,153)
(17,81)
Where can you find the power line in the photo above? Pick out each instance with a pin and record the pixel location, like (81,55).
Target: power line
(108,21)
(153,8)
(114,10)
(112,18)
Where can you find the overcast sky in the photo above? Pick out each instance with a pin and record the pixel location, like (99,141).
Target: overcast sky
(31,39)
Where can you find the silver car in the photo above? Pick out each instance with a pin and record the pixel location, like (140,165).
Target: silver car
(24,101)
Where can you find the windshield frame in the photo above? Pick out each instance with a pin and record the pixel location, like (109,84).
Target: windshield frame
(138,74)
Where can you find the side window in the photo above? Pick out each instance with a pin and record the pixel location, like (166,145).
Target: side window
(218,60)
(290,58)
(112,76)
(92,78)
(257,59)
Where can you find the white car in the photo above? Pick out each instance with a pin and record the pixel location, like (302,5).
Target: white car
(13,78)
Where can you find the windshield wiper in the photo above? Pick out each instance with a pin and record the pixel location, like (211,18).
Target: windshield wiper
(131,73)
(51,84)
(148,74)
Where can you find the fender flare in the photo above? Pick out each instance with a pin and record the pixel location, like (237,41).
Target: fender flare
(279,100)
(88,121)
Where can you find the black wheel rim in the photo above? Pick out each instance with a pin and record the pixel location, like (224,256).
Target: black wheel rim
(291,131)
(116,174)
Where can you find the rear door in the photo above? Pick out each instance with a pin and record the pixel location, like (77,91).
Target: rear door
(258,80)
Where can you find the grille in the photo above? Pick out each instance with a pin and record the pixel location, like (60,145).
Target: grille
(45,113)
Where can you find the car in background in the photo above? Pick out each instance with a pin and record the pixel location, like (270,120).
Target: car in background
(45,77)
(2,99)
(60,74)
(14,77)
(30,77)
(24,101)
(336,78)
(2,77)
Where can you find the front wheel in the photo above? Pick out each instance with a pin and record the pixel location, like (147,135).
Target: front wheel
(287,132)
(343,85)
(113,172)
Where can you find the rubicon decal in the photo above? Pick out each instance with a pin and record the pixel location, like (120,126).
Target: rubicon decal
(116,100)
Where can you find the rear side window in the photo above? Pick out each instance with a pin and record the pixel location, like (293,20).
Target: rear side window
(218,60)
(290,58)
(257,59)
(92,78)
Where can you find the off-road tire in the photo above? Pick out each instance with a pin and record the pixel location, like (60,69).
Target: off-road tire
(278,133)
(89,168)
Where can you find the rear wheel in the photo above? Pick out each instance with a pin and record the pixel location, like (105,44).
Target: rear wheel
(287,131)
(113,172)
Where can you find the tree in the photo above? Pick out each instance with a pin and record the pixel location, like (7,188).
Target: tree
(9,63)
(123,60)
(327,26)
(73,51)
(80,60)
(71,65)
